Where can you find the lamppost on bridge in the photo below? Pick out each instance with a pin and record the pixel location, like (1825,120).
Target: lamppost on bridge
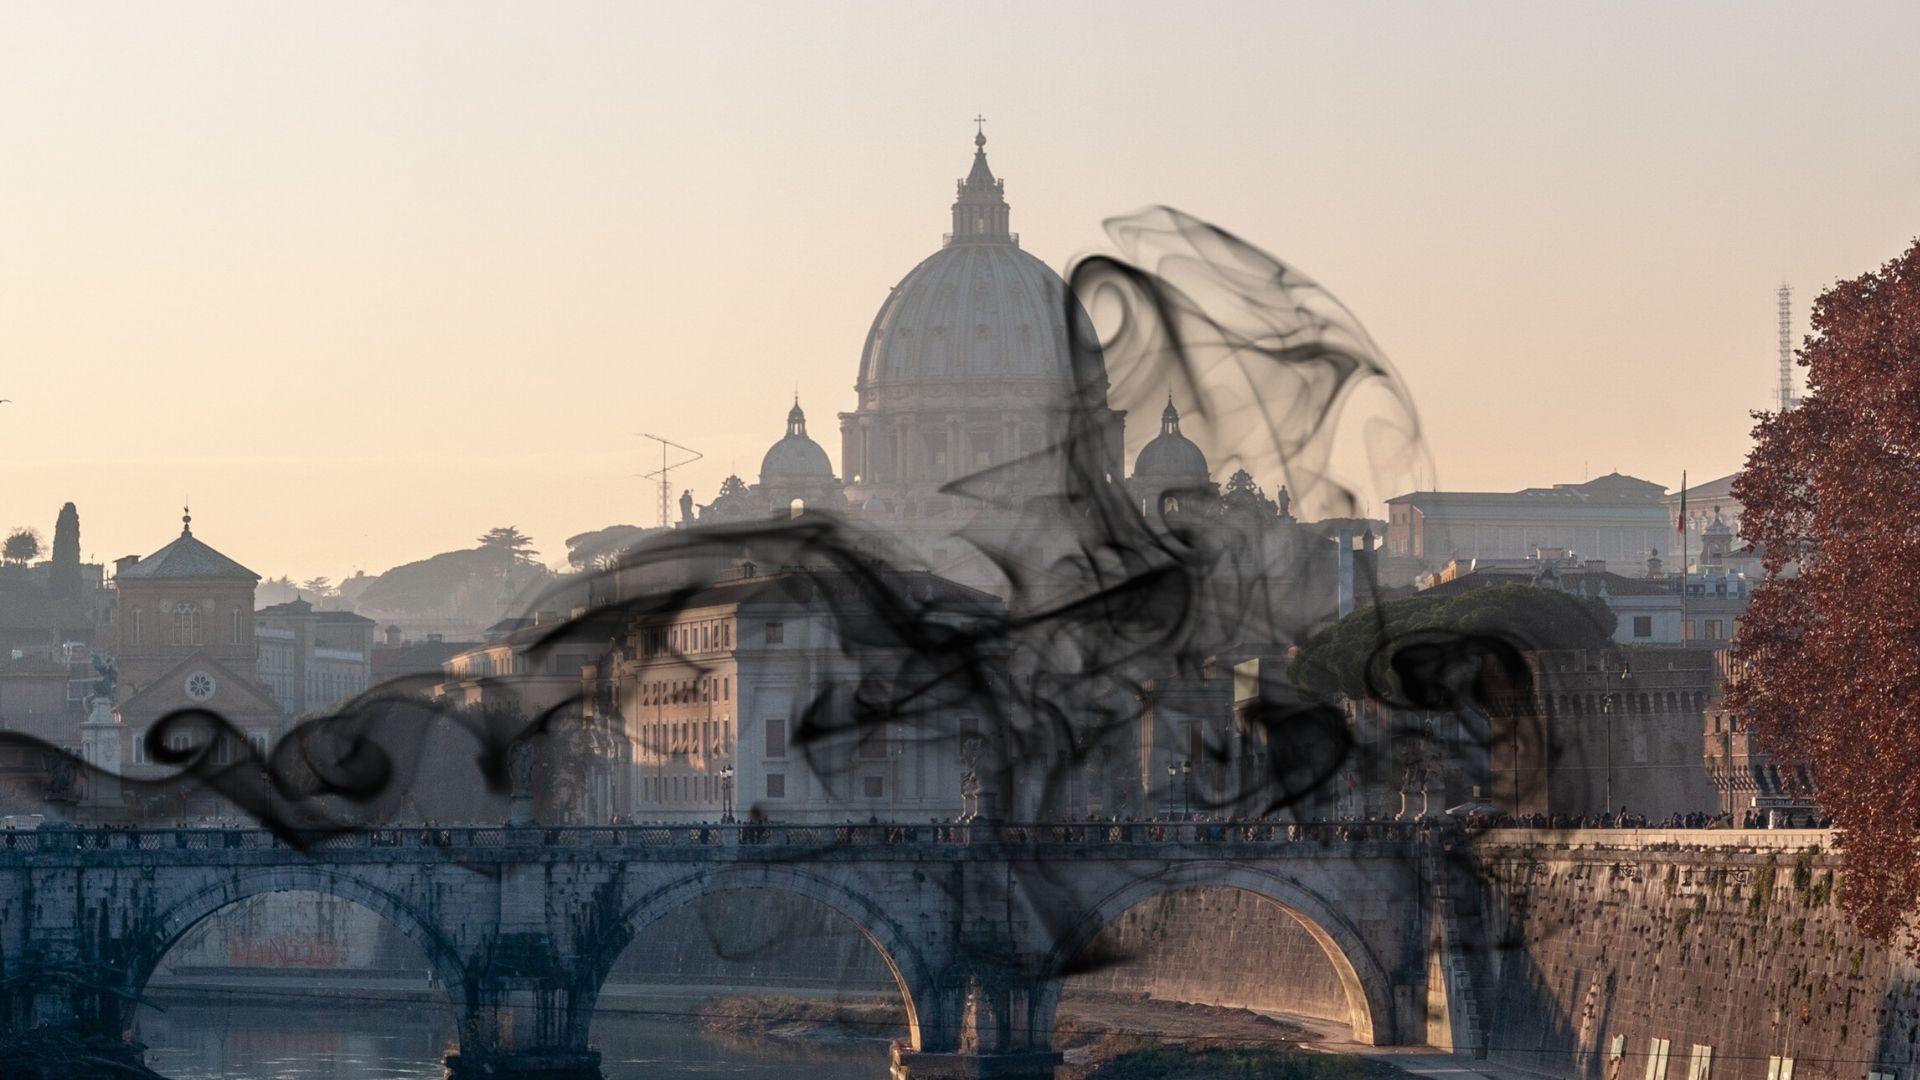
(1606,710)
(726,794)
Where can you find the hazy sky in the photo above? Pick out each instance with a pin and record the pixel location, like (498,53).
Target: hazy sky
(365,280)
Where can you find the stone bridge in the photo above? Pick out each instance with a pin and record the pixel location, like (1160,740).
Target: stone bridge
(980,924)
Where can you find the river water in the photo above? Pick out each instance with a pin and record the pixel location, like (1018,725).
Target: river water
(295,1040)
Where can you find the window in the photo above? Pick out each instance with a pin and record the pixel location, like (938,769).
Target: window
(136,626)
(776,633)
(258,740)
(1657,1051)
(776,785)
(1779,1068)
(223,750)
(239,637)
(140,748)
(1713,629)
(1702,1061)
(1642,626)
(186,624)
(1877,1075)
(180,743)
(777,737)
(1686,629)
(875,787)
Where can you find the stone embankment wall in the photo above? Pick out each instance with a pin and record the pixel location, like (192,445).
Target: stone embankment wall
(735,938)
(1728,947)
(1217,946)
(297,931)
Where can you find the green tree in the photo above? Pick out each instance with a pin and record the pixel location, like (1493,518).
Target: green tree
(22,546)
(513,547)
(63,577)
(1353,656)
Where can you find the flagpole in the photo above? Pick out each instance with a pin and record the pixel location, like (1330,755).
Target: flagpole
(1685,637)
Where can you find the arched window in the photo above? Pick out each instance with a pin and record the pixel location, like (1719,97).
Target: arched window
(136,626)
(796,507)
(239,637)
(186,624)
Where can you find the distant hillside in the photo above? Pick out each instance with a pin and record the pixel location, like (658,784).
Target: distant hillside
(458,593)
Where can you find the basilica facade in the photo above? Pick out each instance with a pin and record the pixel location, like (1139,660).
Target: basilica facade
(979,400)
(982,457)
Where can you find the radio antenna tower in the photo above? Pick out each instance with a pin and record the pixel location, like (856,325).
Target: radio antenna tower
(665,471)
(1787,400)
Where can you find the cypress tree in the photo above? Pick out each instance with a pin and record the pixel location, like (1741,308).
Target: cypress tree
(63,576)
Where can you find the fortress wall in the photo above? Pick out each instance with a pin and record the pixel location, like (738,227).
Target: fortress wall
(1738,948)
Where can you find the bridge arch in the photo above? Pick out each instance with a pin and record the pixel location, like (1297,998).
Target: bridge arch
(1369,991)
(229,887)
(896,949)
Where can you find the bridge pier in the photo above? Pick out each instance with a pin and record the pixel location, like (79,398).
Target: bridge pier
(1025,1065)
(527,1013)
(984,1023)
(524,1031)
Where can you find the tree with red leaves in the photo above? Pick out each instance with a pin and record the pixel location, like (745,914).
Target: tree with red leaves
(1829,651)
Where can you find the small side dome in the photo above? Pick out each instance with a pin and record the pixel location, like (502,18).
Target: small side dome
(1171,458)
(795,457)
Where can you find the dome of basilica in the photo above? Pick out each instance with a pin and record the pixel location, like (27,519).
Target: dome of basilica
(795,457)
(979,310)
(1171,458)
(974,312)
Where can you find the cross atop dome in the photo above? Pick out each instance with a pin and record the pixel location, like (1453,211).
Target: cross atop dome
(186,521)
(980,212)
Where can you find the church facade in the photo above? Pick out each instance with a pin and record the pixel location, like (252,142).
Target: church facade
(184,639)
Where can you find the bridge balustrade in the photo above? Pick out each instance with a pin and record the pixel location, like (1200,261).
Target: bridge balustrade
(939,834)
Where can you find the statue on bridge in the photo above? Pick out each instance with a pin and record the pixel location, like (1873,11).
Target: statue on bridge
(106,677)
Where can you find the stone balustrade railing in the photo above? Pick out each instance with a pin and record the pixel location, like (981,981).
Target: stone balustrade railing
(978,834)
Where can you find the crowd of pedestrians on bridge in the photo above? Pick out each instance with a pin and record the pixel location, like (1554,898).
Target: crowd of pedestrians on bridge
(1798,818)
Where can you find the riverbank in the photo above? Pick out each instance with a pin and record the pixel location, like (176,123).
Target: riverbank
(1103,1036)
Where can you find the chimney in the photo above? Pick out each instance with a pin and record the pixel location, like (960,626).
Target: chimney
(123,562)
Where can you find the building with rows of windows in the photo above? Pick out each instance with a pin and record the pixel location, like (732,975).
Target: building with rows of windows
(312,659)
(792,695)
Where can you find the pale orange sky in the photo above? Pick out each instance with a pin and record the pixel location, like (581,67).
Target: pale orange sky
(364,280)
